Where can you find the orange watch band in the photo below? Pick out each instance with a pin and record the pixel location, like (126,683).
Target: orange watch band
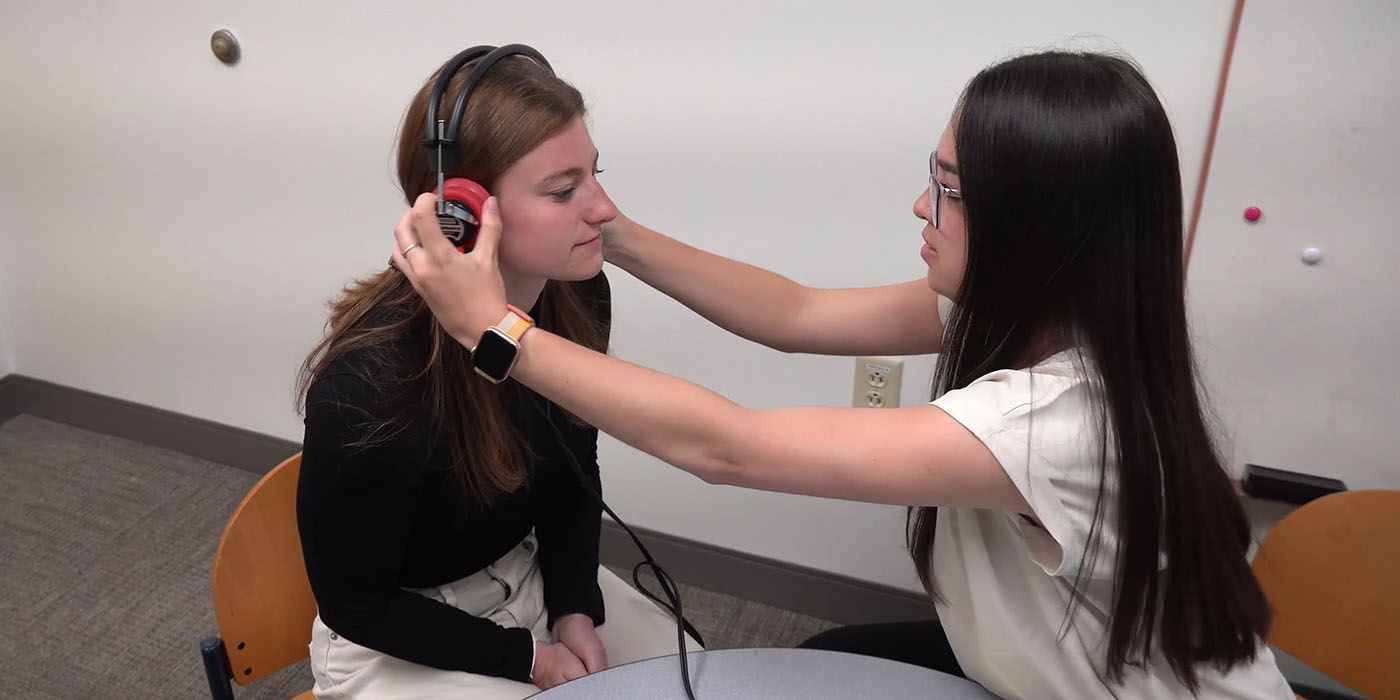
(515,326)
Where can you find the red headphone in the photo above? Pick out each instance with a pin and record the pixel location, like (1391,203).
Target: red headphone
(460,200)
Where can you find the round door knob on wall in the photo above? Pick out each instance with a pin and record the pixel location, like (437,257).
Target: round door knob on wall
(225,46)
(1312,256)
(1252,214)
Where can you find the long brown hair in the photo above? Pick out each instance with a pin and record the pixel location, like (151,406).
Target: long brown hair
(517,105)
(1072,197)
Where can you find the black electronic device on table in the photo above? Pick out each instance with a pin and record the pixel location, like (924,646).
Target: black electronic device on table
(1290,487)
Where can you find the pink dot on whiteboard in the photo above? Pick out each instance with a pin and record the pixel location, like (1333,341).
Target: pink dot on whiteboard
(1252,213)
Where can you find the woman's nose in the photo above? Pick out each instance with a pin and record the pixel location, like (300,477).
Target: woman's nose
(603,209)
(923,207)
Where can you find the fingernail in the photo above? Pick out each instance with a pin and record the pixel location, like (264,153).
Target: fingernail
(491,203)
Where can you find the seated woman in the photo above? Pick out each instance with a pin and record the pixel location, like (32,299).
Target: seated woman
(451,547)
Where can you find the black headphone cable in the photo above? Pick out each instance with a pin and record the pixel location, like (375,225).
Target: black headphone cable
(668,587)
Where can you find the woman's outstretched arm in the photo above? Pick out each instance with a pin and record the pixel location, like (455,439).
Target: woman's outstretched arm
(917,455)
(768,308)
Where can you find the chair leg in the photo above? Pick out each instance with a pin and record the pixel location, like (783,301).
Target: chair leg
(216,668)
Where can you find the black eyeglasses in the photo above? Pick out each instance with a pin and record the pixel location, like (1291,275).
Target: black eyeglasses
(936,188)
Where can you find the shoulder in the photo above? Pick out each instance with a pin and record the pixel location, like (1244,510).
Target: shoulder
(347,401)
(376,377)
(1041,424)
(1057,388)
(386,338)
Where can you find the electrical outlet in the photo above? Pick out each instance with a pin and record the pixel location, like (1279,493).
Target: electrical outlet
(876,382)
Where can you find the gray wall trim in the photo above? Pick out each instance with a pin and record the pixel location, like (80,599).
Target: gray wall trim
(780,584)
(800,589)
(216,442)
(9,402)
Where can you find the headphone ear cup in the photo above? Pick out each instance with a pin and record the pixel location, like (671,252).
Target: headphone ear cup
(465,201)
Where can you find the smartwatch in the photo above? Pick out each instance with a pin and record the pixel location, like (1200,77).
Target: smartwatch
(496,352)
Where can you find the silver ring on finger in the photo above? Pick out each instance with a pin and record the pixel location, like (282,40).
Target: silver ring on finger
(411,246)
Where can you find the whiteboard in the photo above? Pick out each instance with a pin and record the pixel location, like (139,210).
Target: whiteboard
(1301,360)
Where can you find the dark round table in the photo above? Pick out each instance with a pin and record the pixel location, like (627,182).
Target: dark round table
(738,674)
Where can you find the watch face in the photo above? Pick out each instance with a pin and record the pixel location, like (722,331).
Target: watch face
(494,355)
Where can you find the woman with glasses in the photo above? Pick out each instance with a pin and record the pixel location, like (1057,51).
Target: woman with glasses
(1069,514)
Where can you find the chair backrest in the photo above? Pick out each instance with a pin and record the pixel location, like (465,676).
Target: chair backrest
(262,598)
(1331,571)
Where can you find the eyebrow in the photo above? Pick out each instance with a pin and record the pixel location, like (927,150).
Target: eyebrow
(947,167)
(570,173)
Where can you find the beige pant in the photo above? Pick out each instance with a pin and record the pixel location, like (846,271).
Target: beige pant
(510,593)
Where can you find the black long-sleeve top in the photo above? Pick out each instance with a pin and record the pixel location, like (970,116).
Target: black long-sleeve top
(377,520)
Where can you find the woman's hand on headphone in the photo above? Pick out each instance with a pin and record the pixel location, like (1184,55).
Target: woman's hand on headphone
(464,291)
(616,234)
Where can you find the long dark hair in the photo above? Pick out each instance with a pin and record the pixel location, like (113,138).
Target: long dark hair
(1073,205)
(517,105)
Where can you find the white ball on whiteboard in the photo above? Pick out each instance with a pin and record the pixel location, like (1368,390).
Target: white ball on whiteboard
(1312,255)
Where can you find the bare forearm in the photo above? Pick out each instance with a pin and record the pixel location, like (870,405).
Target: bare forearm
(898,319)
(924,457)
(683,424)
(745,300)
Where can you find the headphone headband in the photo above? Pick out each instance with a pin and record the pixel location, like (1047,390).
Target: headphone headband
(443,150)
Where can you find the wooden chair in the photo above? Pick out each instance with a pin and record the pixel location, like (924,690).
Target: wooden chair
(262,599)
(1331,571)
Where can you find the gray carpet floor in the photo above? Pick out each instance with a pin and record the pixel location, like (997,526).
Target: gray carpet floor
(107,546)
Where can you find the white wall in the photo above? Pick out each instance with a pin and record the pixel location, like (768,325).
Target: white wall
(1302,359)
(182,223)
(7,364)
(8,280)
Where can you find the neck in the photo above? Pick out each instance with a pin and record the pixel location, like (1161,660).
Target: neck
(1043,347)
(522,291)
